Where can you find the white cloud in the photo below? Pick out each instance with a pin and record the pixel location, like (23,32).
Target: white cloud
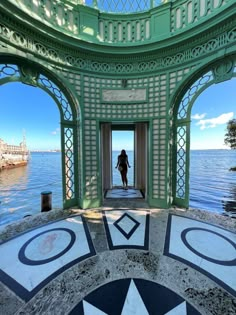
(55,132)
(198,116)
(213,122)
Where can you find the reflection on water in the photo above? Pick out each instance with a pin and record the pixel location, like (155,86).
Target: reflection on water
(229,203)
(11,178)
(212,184)
(20,188)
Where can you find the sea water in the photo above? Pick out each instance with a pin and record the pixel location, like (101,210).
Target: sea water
(212,184)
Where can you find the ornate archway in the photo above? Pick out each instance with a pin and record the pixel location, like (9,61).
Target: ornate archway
(35,76)
(219,72)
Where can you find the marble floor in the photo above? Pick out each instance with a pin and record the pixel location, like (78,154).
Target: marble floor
(120,261)
(128,193)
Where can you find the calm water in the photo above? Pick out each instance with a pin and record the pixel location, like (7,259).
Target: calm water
(212,185)
(20,188)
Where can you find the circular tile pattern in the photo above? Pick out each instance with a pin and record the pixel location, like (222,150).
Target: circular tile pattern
(212,237)
(47,246)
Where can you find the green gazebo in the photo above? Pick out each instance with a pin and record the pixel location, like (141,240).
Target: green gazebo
(112,65)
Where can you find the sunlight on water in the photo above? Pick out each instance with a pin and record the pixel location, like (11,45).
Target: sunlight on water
(212,184)
(20,188)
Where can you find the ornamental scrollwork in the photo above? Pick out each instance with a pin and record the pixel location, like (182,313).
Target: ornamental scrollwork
(29,75)
(224,71)
(71,58)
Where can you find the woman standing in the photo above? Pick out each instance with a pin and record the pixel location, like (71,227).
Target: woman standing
(123,164)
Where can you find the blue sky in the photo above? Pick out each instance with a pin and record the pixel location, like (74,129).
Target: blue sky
(30,110)
(211,111)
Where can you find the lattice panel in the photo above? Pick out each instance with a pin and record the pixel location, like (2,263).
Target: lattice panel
(91,164)
(186,101)
(95,109)
(47,84)
(176,77)
(159,158)
(181,162)
(69,163)
(123,6)
(156,106)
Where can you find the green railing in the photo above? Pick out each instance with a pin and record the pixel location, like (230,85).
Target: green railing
(152,22)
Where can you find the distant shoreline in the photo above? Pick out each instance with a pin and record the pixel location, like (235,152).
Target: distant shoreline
(59,151)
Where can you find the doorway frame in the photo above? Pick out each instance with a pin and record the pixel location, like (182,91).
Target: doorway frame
(125,126)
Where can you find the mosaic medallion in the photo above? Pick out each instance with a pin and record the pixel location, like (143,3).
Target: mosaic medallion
(133,296)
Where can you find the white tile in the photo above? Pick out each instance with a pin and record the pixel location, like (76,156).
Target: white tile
(133,303)
(181,309)
(209,247)
(129,193)
(42,254)
(89,309)
(117,238)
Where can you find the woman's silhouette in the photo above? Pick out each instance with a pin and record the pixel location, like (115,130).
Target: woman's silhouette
(122,165)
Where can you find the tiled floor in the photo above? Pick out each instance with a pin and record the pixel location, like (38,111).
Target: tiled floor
(32,260)
(133,296)
(210,249)
(129,193)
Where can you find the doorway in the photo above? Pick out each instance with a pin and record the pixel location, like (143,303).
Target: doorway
(133,138)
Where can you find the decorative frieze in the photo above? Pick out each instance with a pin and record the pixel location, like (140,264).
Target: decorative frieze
(18,36)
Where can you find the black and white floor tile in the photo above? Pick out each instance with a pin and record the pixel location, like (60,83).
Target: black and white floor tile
(133,296)
(207,248)
(129,193)
(32,259)
(127,228)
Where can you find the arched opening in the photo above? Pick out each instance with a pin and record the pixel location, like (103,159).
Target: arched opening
(212,184)
(182,119)
(29,112)
(34,78)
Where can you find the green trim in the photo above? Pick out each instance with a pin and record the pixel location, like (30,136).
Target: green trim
(158,203)
(88,204)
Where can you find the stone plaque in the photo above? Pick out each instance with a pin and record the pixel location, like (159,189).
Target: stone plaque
(124,96)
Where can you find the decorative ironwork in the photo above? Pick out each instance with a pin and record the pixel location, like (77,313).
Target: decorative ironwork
(71,58)
(29,75)
(8,70)
(181,162)
(182,123)
(222,71)
(186,101)
(123,6)
(69,163)
(11,72)
(47,84)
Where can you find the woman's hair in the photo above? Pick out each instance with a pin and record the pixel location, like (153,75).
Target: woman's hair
(123,152)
